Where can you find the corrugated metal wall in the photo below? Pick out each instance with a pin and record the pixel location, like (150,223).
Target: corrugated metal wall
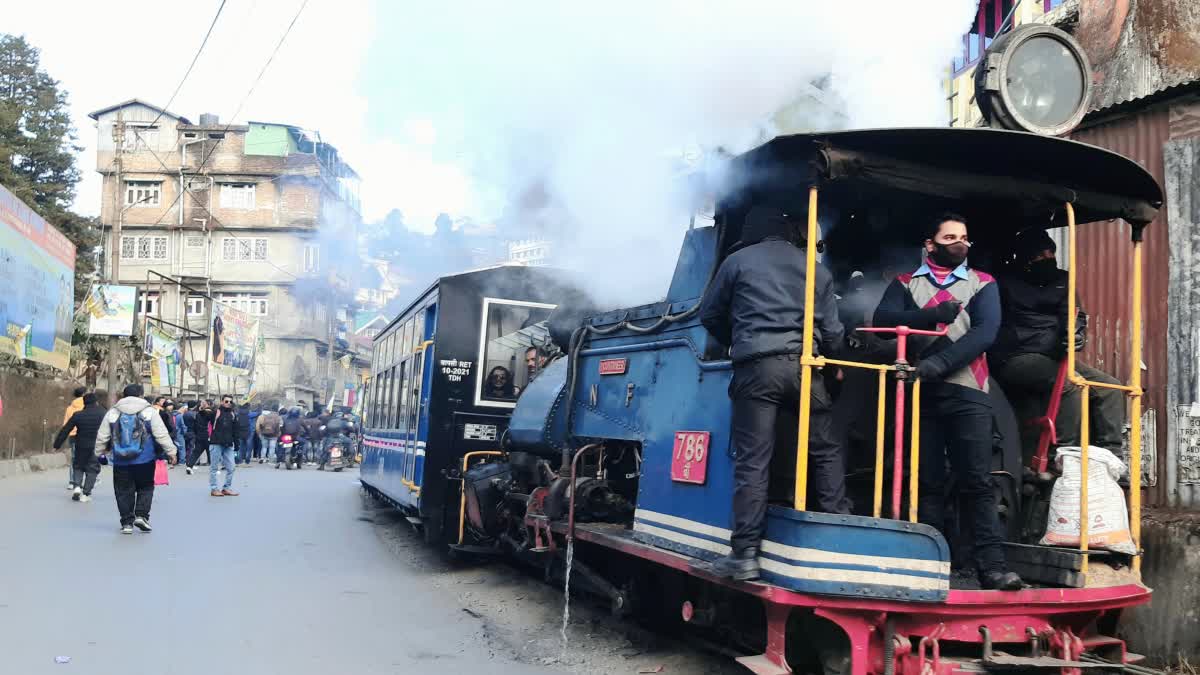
(1106,276)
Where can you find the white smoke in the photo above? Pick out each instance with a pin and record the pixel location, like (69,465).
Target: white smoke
(574,116)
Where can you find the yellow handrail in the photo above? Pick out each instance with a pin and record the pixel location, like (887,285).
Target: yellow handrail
(1084,443)
(821,362)
(462,503)
(1135,411)
(880,420)
(810,272)
(914,453)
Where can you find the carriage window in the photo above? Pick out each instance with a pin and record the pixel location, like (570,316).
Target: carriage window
(509,329)
(402,399)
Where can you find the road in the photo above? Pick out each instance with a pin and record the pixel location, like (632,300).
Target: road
(300,574)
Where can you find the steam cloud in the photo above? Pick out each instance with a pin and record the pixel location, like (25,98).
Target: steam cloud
(578,120)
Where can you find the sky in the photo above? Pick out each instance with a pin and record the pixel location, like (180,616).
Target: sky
(567,119)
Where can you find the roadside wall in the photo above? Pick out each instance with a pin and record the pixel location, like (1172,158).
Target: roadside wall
(1168,630)
(28,401)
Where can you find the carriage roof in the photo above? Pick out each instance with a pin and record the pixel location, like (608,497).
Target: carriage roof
(1002,181)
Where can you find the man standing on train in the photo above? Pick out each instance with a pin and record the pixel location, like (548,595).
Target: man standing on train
(1033,343)
(755,305)
(956,412)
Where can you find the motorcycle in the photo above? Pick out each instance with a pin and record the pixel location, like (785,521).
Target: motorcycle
(290,451)
(337,453)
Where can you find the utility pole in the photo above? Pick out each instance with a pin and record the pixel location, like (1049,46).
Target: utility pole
(114,342)
(332,324)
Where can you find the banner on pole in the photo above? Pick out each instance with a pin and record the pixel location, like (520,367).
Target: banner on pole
(232,341)
(110,309)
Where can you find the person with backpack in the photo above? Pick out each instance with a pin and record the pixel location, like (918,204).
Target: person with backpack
(73,407)
(134,434)
(268,426)
(85,468)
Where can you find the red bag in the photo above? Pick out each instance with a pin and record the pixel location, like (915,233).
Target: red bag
(160,472)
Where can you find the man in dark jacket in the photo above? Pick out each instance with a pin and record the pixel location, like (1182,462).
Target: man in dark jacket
(242,434)
(83,424)
(956,411)
(133,468)
(755,304)
(313,436)
(1033,343)
(221,447)
(200,429)
(293,426)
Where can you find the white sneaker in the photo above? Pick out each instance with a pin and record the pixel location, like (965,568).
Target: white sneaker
(84,498)
(77,493)
(189,470)
(142,524)
(70,486)
(126,529)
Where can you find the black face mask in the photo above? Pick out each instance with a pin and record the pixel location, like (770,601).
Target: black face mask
(949,255)
(1041,272)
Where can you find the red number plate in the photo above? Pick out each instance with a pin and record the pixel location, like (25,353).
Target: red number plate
(612,367)
(689,458)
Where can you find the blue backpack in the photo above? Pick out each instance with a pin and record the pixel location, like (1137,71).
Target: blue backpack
(128,436)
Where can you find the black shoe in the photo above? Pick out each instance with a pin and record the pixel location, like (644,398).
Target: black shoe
(740,565)
(1000,581)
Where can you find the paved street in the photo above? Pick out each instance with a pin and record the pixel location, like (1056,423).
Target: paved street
(290,577)
(299,575)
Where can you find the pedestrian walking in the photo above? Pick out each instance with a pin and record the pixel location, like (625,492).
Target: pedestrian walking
(73,407)
(221,448)
(252,445)
(200,431)
(134,434)
(83,426)
(241,430)
(268,426)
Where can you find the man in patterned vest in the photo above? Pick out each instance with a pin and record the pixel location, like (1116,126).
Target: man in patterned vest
(956,413)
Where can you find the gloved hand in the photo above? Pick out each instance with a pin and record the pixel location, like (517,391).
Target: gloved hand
(944,312)
(931,369)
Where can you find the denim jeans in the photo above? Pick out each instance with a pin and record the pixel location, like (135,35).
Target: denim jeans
(268,446)
(243,450)
(218,455)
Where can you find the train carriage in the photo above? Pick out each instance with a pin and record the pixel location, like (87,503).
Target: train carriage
(428,403)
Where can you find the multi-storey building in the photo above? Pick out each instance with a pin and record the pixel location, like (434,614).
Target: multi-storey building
(530,251)
(251,215)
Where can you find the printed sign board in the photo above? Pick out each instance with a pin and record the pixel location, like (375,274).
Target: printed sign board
(165,357)
(37,274)
(110,309)
(689,457)
(613,366)
(233,338)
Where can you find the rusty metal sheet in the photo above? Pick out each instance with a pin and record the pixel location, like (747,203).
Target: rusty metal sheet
(1105,273)
(1139,47)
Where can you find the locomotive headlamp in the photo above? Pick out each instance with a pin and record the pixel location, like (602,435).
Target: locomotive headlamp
(1034,78)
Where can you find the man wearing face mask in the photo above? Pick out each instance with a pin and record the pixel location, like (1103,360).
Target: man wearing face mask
(956,412)
(1033,343)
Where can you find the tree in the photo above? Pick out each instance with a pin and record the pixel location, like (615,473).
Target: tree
(38,148)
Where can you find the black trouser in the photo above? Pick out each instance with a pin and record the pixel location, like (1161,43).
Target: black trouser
(85,467)
(134,487)
(758,389)
(200,448)
(956,425)
(1034,375)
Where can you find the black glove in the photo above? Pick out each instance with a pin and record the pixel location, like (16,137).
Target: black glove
(945,312)
(931,369)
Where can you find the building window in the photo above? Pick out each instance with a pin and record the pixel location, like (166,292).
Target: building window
(312,257)
(195,305)
(144,247)
(237,196)
(236,249)
(254,304)
(988,21)
(143,193)
(147,303)
(142,136)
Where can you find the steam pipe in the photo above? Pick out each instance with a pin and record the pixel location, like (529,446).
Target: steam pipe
(571,487)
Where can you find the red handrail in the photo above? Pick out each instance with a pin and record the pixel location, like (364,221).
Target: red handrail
(902,368)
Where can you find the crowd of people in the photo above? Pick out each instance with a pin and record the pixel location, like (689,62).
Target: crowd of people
(218,433)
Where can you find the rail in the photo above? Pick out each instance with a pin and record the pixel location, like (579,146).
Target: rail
(809,361)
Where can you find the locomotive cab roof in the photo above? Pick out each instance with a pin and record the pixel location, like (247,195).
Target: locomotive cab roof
(892,181)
